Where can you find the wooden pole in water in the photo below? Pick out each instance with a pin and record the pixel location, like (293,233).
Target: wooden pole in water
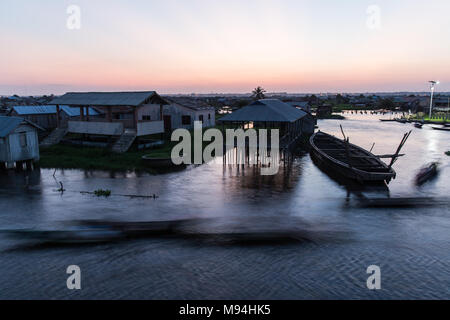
(402,143)
(347,148)
(342,130)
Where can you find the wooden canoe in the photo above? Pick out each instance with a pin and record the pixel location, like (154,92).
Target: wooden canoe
(441,128)
(348,160)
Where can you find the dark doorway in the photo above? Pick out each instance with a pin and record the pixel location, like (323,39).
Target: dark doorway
(167,123)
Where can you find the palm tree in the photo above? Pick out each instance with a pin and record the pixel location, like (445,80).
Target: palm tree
(258,93)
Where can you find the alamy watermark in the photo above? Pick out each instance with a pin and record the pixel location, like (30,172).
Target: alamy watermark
(74,280)
(74,19)
(374,280)
(256,151)
(373,21)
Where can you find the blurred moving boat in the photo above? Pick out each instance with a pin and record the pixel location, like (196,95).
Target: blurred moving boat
(73,235)
(351,161)
(427,173)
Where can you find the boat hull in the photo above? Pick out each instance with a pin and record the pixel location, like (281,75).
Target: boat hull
(441,129)
(337,167)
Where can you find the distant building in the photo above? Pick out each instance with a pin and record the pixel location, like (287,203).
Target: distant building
(46,116)
(302,105)
(182,112)
(324,111)
(442,104)
(126,115)
(18,141)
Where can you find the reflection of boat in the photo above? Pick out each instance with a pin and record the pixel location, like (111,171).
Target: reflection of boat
(441,128)
(427,173)
(159,162)
(349,160)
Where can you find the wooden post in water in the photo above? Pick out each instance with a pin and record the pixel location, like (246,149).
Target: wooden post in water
(402,143)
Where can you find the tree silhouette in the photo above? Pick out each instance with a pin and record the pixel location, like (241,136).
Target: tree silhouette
(387,104)
(258,93)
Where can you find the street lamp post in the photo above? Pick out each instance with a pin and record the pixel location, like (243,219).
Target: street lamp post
(433,86)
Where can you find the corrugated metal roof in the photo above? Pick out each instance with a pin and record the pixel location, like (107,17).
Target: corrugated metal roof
(32,110)
(8,124)
(266,110)
(191,103)
(302,104)
(29,110)
(106,98)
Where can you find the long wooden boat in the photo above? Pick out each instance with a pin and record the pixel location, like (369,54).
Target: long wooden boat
(441,128)
(348,160)
(388,120)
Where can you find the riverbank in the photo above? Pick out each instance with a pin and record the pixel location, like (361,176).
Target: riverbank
(70,157)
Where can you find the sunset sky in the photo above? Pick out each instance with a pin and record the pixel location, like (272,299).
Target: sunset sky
(185,46)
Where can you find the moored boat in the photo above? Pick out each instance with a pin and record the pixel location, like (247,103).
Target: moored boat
(418,125)
(387,120)
(348,160)
(441,128)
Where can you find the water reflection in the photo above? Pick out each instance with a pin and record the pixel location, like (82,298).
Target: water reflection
(229,204)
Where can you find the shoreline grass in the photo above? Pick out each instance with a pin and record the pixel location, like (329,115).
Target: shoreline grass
(71,157)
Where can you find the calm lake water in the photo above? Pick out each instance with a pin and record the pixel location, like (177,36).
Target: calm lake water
(341,239)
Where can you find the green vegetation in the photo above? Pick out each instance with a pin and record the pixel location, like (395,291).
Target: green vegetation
(437,117)
(90,158)
(343,106)
(102,193)
(70,157)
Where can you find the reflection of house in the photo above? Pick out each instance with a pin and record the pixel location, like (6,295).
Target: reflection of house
(45,116)
(18,141)
(127,115)
(182,112)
